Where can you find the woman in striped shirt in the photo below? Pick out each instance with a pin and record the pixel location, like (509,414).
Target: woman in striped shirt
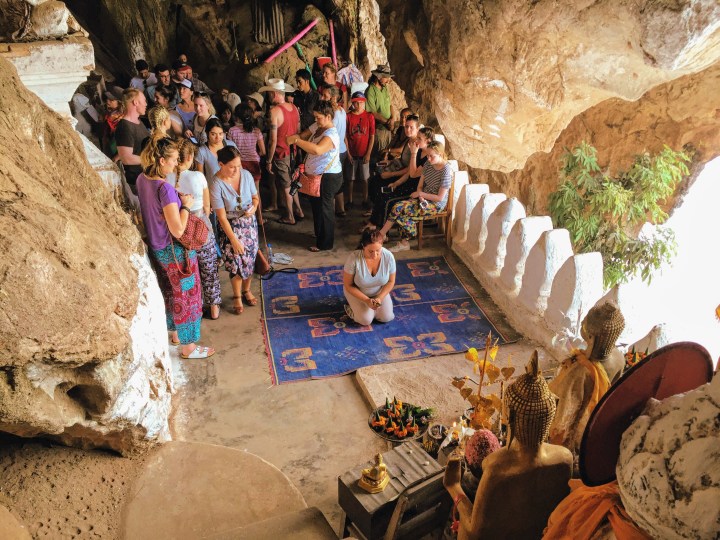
(248,138)
(429,199)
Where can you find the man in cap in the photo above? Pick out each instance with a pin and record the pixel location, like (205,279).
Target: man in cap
(360,140)
(182,71)
(378,103)
(144,77)
(284,122)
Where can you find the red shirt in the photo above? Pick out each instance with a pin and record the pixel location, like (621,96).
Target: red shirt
(360,127)
(291,119)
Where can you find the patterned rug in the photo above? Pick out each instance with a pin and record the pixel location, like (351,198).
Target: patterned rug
(308,335)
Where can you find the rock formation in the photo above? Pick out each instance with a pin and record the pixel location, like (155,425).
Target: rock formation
(669,466)
(83,355)
(504,79)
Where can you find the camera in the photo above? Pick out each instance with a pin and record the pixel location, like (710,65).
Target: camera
(386,189)
(295,185)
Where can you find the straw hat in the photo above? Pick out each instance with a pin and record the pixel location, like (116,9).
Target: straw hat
(276,85)
(257,96)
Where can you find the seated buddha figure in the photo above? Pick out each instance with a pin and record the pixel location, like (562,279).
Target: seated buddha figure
(522,483)
(586,376)
(374,479)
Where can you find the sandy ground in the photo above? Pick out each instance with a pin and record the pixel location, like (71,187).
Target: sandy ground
(312,431)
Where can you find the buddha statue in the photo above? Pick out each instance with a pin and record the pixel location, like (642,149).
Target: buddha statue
(585,376)
(522,483)
(374,479)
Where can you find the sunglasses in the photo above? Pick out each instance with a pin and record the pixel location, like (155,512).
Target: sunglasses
(411,117)
(200,94)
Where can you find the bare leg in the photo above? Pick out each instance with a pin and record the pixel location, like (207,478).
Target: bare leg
(289,206)
(298,208)
(273,194)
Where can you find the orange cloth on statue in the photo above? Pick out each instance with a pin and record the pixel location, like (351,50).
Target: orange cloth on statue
(584,511)
(601,384)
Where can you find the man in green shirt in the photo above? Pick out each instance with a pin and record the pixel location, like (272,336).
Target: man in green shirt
(378,103)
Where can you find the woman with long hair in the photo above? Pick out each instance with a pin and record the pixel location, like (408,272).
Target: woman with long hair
(249,140)
(194,183)
(204,111)
(235,201)
(333,95)
(185,106)
(165,214)
(321,142)
(368,278)
(207,154)
(430,197)
(160,123)
(163,97)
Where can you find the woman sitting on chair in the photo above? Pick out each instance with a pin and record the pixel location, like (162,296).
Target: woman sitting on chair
(430,198)
(368,278)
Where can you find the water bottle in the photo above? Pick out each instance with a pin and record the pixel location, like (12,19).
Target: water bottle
(270,253)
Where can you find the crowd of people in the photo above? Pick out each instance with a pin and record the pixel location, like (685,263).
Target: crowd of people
(187,151)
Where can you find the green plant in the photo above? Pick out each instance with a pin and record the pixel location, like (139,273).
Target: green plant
(602,213)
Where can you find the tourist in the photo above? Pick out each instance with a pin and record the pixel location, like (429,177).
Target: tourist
(112,116)
(399,138)
(284,124)
(429,199)
(207,155)
(165,215)
(204,111)
(329,74)
(332,94)
(378,103)
(160,123)
(323,149)
(225,114)
(162,72)
(144,77)
(249,141)
(183,72)
(235,201)
(305,98)
(407,184)
(360,139)
(368,278)
(130,134)
(194,183)
(185,106)
(163,98)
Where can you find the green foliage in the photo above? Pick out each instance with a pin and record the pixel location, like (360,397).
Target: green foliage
(602,212)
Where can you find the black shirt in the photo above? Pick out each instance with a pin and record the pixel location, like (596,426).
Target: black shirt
(306,104)
(131,135)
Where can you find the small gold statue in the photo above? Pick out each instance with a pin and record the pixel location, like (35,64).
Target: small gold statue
(374,479)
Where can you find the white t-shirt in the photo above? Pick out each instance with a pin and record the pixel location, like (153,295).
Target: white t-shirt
(142,84)
(363,279)
(193,183)
(319,164)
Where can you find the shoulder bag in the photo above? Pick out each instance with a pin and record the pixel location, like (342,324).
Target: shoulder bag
(310,183)
(196,232)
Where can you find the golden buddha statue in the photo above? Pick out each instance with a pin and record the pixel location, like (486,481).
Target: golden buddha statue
(522,483)
(375,478)
(585,376)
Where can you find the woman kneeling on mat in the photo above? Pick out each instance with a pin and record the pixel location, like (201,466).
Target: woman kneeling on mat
(235,200)
(368,278)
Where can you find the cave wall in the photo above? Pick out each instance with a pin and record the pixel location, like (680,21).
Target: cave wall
(503,79)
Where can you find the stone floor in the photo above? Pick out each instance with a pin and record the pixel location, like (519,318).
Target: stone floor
(312,431)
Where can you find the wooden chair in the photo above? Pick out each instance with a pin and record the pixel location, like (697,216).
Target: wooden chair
(421,509)
(444,219)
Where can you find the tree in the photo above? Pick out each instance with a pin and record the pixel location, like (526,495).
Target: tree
(602,213)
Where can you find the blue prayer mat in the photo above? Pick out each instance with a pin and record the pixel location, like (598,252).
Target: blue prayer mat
(309,336)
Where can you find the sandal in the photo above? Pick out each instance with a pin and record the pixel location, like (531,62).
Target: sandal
(284,221)
(249,298)
(314,249)
(237,305)
(199,353)
(175,341)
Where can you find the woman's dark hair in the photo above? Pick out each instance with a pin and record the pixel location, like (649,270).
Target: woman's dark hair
(227,153)
(428,132)
(371,236)
(325,108)
(213,123)
(244,113)
(373,80)
(164,91)
(222,108)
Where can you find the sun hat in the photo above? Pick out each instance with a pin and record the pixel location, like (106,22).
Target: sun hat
(257,96)
(383,70)
(358,96)
(276,85)
(187,83)
(233,100)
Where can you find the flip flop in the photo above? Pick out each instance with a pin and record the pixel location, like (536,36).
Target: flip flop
(285,222)
(199,353)
(175,342)
(250,298)
(314,249)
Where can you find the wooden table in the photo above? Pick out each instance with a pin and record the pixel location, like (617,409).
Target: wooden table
(407,464)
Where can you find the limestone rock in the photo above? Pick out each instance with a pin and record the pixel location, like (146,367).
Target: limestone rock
(83,349)
(669,466)
(504,79)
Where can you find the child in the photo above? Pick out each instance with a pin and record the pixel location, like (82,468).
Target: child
(360,138)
